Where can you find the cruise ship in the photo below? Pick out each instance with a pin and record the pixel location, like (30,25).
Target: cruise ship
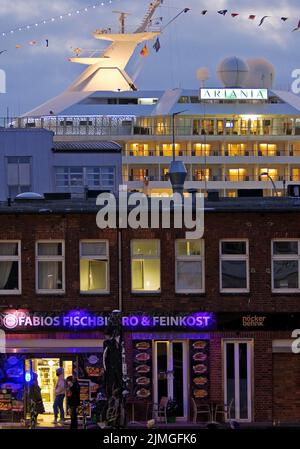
(239,139)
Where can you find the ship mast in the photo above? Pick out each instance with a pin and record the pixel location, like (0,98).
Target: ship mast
(147,19)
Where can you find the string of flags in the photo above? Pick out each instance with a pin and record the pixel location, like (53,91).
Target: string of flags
(224,12)
(55,19)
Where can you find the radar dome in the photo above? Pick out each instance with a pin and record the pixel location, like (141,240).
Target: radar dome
(233,72)
(261,73)
(203,74)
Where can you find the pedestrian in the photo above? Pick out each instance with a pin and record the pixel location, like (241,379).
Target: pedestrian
(35,395)
(60,392)
(73,397)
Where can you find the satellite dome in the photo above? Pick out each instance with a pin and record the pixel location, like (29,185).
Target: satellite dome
(203,74)
(233,72)
(261,74)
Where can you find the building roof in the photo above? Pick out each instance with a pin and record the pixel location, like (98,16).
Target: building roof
(87,147)
(223,205)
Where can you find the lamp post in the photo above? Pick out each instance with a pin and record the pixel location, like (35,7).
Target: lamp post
(177,171)
(270,178)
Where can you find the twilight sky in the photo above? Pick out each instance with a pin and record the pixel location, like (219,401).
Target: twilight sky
(36,73)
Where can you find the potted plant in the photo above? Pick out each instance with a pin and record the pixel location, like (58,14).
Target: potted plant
(172,407)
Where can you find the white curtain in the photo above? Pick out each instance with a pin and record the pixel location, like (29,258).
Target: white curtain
(50,274)
(6,249)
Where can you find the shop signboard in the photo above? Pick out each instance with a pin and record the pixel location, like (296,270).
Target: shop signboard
(85,395)
(142,369)
(26,321)
(199,357)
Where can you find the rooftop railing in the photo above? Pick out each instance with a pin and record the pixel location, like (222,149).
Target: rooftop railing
(131,126)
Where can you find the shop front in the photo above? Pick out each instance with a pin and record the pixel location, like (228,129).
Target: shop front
(196,358)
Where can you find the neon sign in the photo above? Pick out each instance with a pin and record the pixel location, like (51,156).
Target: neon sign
(79,319)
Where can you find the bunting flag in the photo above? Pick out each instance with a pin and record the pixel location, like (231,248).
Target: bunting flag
(234,14)
(298,27)
(157,45)
(2,51)
(262,20)
(58,18)
(204,12)
(283,19)
(144,51)
(251,17)
(47,42)
(18,46)
(223,12)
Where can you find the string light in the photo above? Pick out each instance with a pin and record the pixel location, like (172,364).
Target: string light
(54,19)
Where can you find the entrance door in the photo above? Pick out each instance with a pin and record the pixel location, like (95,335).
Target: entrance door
(46,368)
(171,374)
(237,363)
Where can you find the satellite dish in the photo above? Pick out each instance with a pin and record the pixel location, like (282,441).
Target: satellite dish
(261,74)
(233,72)
(203,74)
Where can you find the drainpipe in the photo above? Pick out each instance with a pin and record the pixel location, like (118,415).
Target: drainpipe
(120,269)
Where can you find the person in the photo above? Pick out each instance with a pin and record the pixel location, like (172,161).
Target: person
(73,399)
(60,391)
(35,395)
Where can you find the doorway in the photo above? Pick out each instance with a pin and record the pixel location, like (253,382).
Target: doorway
(171,374)
(46,368)
(237,364)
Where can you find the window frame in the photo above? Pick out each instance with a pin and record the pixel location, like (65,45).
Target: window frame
(234,257)
(18,259)
(105,258)
(132,258)
(186,258)
(290,257)
(48,258)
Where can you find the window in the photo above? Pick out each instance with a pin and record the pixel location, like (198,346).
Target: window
(10,267)
(50,267)
(76,178)
(285,265)
(145,265)
(94,267)
(189,266)
(234,266)
(18,175)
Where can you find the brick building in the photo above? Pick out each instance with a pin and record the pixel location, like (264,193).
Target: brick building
(210,320)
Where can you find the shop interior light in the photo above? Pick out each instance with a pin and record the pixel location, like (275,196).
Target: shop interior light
(51,363)
(28,376)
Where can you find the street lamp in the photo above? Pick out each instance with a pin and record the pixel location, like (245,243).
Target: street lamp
(270,178)
(177,171)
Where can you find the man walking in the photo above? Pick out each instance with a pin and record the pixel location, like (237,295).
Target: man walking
(60,391)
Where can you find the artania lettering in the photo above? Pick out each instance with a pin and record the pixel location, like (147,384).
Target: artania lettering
(233,94)
(23,320)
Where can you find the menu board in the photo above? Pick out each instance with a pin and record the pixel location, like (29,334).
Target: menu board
(85,395)
(91,368)
(199,356)
(142,366)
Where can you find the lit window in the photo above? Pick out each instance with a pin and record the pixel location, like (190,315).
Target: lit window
(10,268)
(50,267)
(285,265)
(189,266)
(94,268)
(234,266)
(145,265)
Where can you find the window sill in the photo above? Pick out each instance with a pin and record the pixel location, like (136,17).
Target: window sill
(246,294)
(10,293)
(146,293)
(190,294)
(95,294)
(48,293)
